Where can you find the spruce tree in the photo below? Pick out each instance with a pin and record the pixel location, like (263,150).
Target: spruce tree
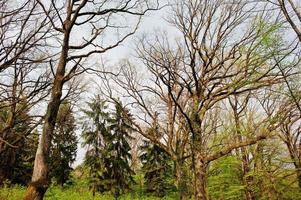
(64,145)
(157,169)
(117,176)
(94,134)
(107,135)
(15,128)
(25,159)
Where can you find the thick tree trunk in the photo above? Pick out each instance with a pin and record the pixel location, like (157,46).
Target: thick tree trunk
(181,180)
(200,182)
(40,180)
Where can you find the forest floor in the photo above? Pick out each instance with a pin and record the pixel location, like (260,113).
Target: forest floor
(74,193)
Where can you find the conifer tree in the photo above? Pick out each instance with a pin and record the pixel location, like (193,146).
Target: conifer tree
(157,169)
(94,132)
(64,145)
(23,167)
(107,136)
(15,126)
(117,176)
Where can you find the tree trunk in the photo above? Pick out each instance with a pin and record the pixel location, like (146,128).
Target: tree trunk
(292,149)
(247,180)
(245,167)
(40,180)
(200,182)
(181,180)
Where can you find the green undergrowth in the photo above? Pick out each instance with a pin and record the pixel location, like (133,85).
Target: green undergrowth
(74,193)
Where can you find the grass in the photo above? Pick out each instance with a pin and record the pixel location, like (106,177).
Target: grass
(73,193)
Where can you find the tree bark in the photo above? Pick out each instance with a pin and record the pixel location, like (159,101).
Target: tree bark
(200,182)
(40,179)
(247,180)
(181,180)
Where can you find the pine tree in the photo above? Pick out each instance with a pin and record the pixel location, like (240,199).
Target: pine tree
(117,176)
(25,159)
(157,169)
(107,136)
(15,126)
(94,132)
(64,145)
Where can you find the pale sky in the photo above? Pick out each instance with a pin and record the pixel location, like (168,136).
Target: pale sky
(153,22)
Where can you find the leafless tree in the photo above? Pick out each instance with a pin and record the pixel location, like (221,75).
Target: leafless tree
(289,131)
(157,117)
(291,11)
(210,64)
(21,91)
(22,33)
(290,134)
(24,83)
(70,19)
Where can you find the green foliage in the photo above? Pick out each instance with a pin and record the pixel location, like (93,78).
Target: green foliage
(156,168)
(64,145)
(12,193)
(117,176)
(77,192)
(15,126)
(107,137)
(94,131)
(25,160)
(270,35)
(224,179)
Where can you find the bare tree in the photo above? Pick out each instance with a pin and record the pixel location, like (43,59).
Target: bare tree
(157,117)
(22,33)
(211,63)
(290,128)
(238,107)
(23,92)
(69,19)
(24,83)
(291,11)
